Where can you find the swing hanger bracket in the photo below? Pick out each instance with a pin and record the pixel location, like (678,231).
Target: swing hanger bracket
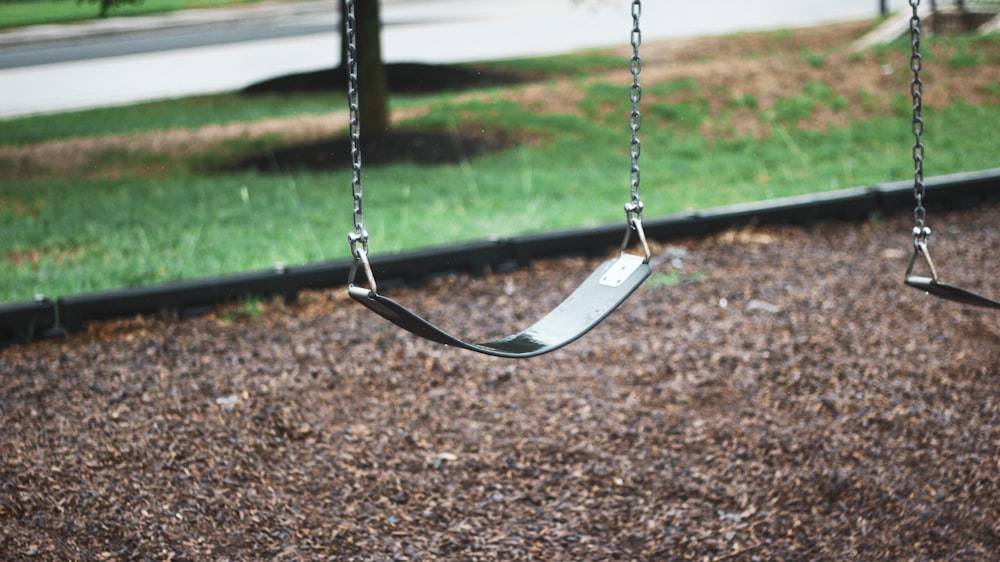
(633,217)
(359,253)
(920,236)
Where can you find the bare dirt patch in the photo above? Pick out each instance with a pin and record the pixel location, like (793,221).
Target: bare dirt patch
(79,154)
(765,66)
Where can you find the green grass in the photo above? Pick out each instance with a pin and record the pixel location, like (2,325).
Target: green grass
(794,109)
(967,60)
(816,60)
(77,234)
(64,239)
(21,13)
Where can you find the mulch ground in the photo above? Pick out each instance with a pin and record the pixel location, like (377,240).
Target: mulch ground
(771,393)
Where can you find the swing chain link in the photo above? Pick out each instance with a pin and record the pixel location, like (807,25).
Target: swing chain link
(920,231)
(359,235)
(633,209)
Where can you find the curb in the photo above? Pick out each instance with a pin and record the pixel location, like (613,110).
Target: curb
(44,318)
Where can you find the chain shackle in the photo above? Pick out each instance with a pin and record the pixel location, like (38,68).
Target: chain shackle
(359,236)
(920,230)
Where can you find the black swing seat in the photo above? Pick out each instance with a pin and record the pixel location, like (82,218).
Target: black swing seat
(950,292)
(597,297)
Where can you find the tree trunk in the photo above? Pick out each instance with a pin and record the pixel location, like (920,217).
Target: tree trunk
(343,39)
(373,96)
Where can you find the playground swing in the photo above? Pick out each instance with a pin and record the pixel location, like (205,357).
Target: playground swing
(921,232)
(597,297)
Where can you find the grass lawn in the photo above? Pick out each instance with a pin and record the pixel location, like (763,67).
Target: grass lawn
(129,196)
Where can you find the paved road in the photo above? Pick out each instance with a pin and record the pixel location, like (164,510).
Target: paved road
(59,68)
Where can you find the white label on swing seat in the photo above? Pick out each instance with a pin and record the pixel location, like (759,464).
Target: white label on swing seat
(622,269)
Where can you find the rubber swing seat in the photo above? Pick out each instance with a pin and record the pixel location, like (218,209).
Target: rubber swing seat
(950,292)
(597,297)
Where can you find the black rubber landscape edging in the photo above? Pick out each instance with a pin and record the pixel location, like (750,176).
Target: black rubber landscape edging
(41,318)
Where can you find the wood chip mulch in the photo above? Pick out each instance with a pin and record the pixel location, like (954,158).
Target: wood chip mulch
(770,394)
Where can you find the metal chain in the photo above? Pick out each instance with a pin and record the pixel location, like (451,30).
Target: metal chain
(920,231)
(359,234)
(634,207)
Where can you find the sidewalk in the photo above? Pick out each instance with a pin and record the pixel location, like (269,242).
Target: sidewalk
(429,31)
(185,18)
